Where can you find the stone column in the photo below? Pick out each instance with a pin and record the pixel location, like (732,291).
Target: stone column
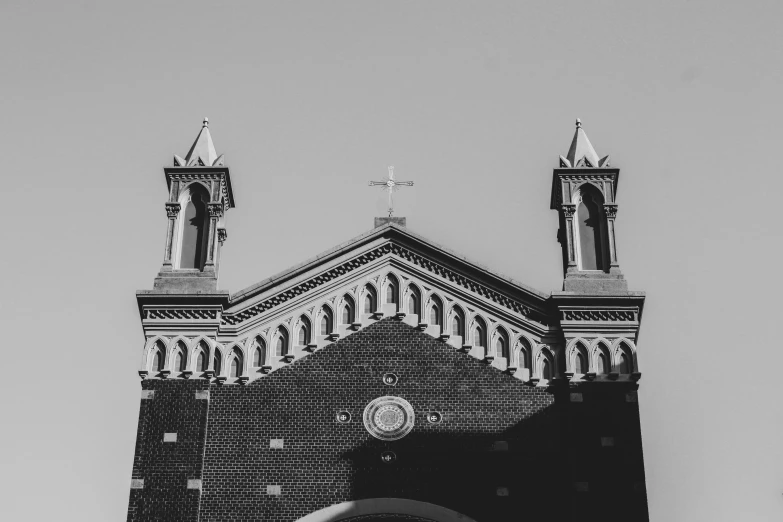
(215,213)
(611,214)
(568,213)
(172,211)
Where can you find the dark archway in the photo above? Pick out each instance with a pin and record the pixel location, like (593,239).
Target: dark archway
(387,510)
(589,221)
(193,239)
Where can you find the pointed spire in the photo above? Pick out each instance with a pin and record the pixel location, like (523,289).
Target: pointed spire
(202,153)
(582,153)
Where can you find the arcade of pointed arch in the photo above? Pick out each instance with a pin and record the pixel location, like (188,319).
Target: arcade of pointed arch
(529,352)
(621,354)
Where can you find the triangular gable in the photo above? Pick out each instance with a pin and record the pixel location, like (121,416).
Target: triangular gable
(387,240)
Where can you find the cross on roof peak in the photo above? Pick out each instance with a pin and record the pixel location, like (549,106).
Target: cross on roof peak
(391,185)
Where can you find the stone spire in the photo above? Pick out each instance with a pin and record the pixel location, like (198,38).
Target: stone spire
(202,153)
(582,154)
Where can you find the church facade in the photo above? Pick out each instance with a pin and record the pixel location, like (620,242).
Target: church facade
(389,378)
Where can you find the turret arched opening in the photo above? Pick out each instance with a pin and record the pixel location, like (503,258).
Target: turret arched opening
(590,229)
(193,228)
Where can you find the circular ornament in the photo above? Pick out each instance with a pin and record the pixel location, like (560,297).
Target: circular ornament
(390,379)
(387,457)
(434,417)
(389,418)
(343,417)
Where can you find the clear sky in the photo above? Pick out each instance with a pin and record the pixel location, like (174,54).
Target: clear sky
(474,101)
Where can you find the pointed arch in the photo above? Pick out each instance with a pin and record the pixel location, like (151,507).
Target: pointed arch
(525,353)
(192,227)
(392,291)
(150,346)
(589,228)
(180,357)
(282,345)
(479,332)
(236,366)
(501,343)
(370,299)
(457,321)
(545,364)
(217,361)
(625,359)
(176,342)
(158,359)
(579,360)
(436,312)
(326,322)
(348,315)
(625,346)
(414,301)
(602,360)
(258,349)
(305,332)
(202,356)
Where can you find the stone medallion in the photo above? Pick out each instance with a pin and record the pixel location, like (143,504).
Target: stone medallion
(389,418)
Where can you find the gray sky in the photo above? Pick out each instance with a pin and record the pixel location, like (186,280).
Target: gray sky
(474,102)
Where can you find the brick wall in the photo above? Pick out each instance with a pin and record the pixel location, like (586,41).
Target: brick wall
(166,467)
(274,450)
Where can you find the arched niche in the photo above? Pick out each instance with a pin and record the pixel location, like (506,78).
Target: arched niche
(349,310)
(414,301)
(579,361)
(305,331)
(458,322)
(193,228)
(326,322)
(590,228)
(180,357)
(281,342)
(370,300)
(259,352)
(392,291)
(480,333)
(236,366)
(202,357)
(501,343)
(436,312)
(525,354)
(217,362)
(158,361)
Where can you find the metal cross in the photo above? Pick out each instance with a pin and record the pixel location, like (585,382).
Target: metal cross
(391,185)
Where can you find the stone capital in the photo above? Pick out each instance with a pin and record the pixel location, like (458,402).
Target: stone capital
(222,235)
(172,209)
(568,210)
(215,210)
(610,210)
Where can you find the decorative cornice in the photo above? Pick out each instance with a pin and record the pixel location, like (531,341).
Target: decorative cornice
(172,209)
(179,314)
(598,315)
(204,176)
(598,176)
(418,260)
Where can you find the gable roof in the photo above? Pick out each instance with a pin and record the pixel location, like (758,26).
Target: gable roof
(390,231)
(392,238)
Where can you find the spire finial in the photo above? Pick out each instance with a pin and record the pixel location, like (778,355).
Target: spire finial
(206,121)
(578,123)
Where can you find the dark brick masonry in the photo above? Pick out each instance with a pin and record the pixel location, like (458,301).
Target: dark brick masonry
(503,451)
